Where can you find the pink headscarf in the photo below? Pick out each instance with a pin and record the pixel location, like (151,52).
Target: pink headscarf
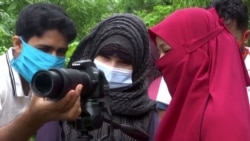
(206,77)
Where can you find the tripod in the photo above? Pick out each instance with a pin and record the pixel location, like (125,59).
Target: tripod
(129,130)
(92,118)
(85,136)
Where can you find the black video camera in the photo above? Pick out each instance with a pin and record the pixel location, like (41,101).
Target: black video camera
(55,83)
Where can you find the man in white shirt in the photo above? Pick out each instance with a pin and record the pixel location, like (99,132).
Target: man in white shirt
(43,32)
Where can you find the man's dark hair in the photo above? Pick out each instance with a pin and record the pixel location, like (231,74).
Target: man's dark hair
(38,18)
(232,9)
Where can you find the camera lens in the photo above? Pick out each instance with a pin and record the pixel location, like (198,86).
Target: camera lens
(55,83)
(47,84)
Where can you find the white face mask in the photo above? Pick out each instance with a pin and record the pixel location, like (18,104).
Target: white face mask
(116,77)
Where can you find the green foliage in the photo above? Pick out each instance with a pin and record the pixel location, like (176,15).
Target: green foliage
(87,13)
(5,28)
(153,15)
(70,50)
(156,15)
(32,139)
(133,6)
(3,49)
(9,10)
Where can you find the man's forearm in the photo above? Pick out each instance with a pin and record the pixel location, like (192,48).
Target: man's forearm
(39,112)
(20,129)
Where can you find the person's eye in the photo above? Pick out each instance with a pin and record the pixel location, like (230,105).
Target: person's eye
(166,50)
(107,57)
(61,52)
(47,50)
(124,63)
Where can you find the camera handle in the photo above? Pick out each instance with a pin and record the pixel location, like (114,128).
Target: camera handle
(93,119)
(85,136)
(78,125)
(129,130)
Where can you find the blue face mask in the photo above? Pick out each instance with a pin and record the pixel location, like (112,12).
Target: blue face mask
(116,77)
(31,59)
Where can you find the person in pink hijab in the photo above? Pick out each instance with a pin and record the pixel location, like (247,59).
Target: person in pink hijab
(206,76)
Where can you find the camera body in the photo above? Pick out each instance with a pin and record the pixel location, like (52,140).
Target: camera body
(55,83)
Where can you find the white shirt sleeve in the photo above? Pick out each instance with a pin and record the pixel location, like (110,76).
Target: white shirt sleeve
(1,103)
(2,96)
(247,63)
(163,95)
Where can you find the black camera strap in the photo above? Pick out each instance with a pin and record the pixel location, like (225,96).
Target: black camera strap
(11,74)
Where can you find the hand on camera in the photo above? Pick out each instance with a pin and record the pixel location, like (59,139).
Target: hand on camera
(68,108)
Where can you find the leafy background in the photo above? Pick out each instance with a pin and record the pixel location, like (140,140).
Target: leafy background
(87,13)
